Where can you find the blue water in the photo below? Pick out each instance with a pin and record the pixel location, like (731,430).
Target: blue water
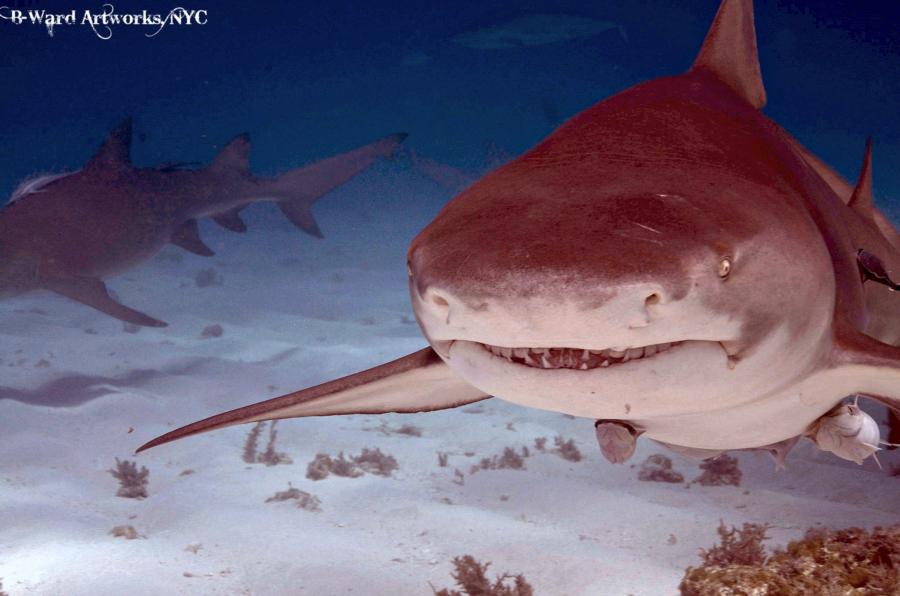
(307,80)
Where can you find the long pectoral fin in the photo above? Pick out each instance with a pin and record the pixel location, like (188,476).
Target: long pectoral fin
(419,382)
(187,236)
(869,367)
(92,292)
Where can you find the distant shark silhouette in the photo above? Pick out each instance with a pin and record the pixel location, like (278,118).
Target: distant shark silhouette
(669,262)
(535,30)
(456,179)
(66,233)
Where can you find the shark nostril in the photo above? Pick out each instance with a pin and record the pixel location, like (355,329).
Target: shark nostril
(440,306)
(652,299)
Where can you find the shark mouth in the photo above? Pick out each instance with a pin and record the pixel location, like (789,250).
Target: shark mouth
(576,358)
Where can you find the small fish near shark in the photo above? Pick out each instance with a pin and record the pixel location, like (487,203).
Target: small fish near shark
(670,263)
(68,232)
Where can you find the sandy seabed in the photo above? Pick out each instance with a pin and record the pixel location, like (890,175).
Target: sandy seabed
(80,391)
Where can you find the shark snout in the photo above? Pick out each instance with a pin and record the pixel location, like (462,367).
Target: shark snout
(558,316)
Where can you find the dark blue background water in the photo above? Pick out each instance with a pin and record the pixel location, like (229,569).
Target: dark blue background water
(308,79)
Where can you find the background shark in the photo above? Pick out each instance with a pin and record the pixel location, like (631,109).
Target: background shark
(535,30)
(670,260)
(66,233)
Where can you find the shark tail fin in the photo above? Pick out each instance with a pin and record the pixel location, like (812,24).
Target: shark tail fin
(419,382)
(296,191)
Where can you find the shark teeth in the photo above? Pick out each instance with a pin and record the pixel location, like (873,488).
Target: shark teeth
(576,358)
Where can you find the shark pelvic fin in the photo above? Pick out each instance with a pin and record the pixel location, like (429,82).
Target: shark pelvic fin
(231,220)
(861,200)
(729,51)
(115,150)
(419,382)
(187,236)
(92,292)
(234,157)
(297,190)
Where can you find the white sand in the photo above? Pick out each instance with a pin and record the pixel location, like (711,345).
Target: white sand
(296,312)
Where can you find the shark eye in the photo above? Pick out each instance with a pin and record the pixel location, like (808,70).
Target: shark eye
(724,267)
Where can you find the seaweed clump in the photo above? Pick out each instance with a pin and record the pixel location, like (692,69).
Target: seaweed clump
(566,449)
(658,468)
(372,461)
(302,499)
(270,457)
(737,547)
(851,562)
(126,532)
(132,482)
(509,460)
(720,471)
(470,577)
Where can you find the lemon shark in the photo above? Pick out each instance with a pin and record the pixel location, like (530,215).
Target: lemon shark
(670,263)
(68,232)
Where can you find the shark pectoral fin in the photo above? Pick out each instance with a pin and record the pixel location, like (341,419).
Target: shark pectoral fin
(894,426)
(419,382)
(231,220)
(871,368)
(187,236)
(297,190)
(92,292)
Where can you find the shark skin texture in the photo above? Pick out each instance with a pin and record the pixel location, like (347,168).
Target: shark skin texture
(134,212)
(670,263)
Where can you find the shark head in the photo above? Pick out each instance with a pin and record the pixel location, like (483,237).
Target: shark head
(669,262)
(646,260)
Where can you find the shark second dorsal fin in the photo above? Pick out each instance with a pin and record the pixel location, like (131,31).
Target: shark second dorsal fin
(234,157)
(861,200)
(729,51)
(115,152)
(231,220)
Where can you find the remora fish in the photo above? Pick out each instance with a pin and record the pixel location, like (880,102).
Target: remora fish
(669,262)
(68,232)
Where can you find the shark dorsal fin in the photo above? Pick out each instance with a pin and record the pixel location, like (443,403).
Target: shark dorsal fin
(115,150)
(235,156)
(861,200)
(729,51)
